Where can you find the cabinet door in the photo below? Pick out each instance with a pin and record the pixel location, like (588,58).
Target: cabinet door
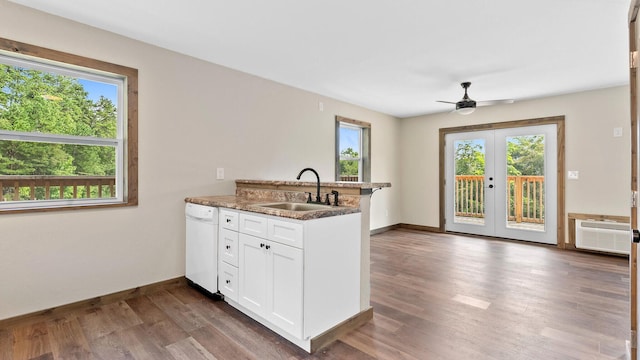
(228,283)
(285,232)
(228,219)
(253,225)
(252,283)
(228,247)
(284,294)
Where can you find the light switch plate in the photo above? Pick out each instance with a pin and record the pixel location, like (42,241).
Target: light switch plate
(573,174)
(617,132)
(220,173)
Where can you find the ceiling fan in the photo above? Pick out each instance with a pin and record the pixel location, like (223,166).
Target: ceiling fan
(466,106)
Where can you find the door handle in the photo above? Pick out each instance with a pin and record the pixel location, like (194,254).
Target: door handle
(635,237)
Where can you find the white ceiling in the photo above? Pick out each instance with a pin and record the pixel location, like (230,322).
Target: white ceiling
(394,56)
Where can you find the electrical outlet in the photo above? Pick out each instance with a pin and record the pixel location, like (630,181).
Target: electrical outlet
(320,106)
(617,132)
(220,173)
(573,174)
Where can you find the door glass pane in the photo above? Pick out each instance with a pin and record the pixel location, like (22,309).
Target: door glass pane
(525,182)
(469,181)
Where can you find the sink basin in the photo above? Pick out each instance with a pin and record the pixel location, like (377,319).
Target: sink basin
(296,206)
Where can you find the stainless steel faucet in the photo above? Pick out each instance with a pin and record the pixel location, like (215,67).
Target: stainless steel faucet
(318,199)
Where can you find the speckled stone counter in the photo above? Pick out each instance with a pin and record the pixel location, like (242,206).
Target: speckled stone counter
(349,187)
(241,203)
(250,193)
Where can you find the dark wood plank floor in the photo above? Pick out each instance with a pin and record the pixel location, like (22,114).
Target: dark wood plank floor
(435,296)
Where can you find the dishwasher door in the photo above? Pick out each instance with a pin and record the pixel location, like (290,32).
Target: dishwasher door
(202,246)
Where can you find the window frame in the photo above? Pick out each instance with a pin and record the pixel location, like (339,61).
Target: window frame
(364,160)
(126,140)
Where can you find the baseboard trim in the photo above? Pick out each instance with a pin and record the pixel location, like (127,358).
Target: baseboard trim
(420,228)
(341,329)
(405,226)
(93,302)
(384,229)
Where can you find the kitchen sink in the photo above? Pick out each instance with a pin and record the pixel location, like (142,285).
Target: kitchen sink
(296,206)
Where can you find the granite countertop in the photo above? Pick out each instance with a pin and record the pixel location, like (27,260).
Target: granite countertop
(336,184)
(240,203)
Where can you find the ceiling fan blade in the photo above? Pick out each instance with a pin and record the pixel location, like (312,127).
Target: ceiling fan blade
(446,102)
(494,102)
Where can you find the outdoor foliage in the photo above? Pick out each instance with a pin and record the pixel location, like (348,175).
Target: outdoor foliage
(525,157)
(36,101)
(469,158)
(349,167)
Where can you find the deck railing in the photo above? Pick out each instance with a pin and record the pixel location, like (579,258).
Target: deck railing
(525,196)
(44,187)
(349,178)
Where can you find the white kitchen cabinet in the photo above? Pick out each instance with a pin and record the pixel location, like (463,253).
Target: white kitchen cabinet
(252,272)
(253,225)
(271,282)
(285,232)
(229,219)
(298,278)
(228,247)
(228,281)
(228,254)
(285,290)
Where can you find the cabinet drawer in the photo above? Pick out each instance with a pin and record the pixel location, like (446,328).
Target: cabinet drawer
(228,246)
(228,281)
(229,219)
(285,232)
(253,225)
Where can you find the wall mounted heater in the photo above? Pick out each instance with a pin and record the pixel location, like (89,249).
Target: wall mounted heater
(605,236)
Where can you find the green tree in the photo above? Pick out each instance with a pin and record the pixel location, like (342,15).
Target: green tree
(36,101)
(349,167)
(469,158)
(525,155)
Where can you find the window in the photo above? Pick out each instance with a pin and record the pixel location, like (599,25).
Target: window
(68,130)
(353,150)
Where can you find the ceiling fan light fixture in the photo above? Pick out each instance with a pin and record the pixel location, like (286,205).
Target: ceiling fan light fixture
(465,110)
(465,106)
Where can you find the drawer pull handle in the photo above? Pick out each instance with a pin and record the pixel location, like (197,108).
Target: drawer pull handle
(228,247)
(261,245)
(268,247)
(228,221)
(228,281)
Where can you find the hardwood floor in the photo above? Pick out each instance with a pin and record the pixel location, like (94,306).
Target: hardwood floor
(435,296)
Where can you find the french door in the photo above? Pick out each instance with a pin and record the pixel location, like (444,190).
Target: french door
(503,183)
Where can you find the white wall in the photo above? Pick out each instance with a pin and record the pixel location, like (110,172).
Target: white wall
(193,117)
(590,117)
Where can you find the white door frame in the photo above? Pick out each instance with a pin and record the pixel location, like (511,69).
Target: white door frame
(487,226)
(495,221)
(634,29)
(558,121)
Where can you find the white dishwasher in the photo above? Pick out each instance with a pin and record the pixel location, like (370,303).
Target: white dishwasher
(202,247)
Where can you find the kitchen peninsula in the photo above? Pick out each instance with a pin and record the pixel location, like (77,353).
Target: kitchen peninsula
(331,293)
